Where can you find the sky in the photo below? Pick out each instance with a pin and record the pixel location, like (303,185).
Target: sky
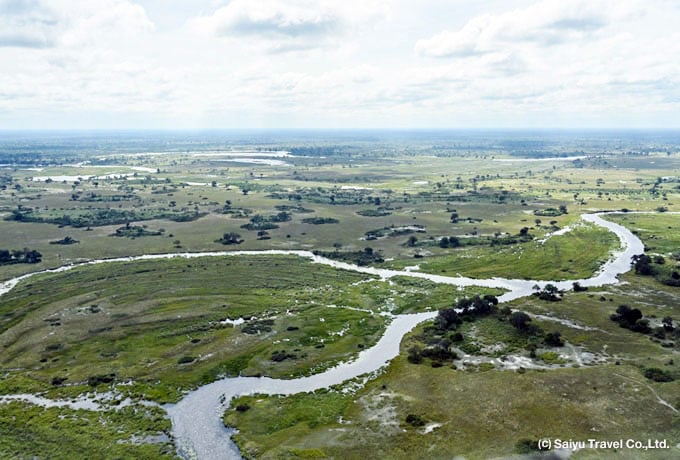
(397,64)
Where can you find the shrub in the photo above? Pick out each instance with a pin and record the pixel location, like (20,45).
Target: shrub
(415,420)
(658,375)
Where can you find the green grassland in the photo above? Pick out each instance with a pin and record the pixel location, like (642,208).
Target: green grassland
(659,231)
(162,320)
(577,254)
(477,413)
(58,433)
(158,326)
(501,198)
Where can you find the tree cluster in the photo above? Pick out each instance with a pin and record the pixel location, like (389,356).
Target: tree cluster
(449,318)
(550,292)
(631,318)
(230,238)
(19,256)
(449,242)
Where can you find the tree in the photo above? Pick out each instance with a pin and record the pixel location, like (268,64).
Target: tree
(415,355)
(447,318)
(554,339)
(551,289)
(578,288)
(520,321)
(454,217)
(231,238)
(642,264)
(563,209)
(411,242)
(550,292)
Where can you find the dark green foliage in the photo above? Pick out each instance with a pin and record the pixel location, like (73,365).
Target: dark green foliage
(388,232)
(362,258)
(106,216)
(415,420)
(135,231)
(522,322)
(415,355)
(466,309)
(642,264)
(186,360)
(260,222)
(230,238)
(456,337)
(440,351)
(526,446)
(551,212)
(278,356)
(65,241)
(658,375)
(578,288)
(554,339)
(449,242)
(380,212)
(320,220)
(95,380)
(631,318)
(258,326)
(447,318)
(549,293)
(19,256)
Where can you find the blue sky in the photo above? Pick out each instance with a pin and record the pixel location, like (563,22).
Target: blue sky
(79,64)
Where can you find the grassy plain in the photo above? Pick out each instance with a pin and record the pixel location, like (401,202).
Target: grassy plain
(141,320)
(159,326)
(478,412)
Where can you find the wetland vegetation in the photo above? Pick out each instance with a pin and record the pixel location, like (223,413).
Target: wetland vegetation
(482,379)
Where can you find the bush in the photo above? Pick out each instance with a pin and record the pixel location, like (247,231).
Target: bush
(554,339)
(415,420)
(95,380)
(415,355)
(658,375)
(320,220)
(526,446)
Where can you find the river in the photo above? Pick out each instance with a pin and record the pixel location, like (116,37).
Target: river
(197,418)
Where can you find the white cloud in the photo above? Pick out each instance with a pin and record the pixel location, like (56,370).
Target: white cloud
(26,24)
(272,18)
(548,22)
(286,25)
(339,63)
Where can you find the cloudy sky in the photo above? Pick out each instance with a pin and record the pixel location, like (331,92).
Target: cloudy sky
(339,64)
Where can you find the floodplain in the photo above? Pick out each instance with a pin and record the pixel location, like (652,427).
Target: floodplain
(135,335)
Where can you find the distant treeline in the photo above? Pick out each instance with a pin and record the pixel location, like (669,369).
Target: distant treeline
(19,256)
(99,217)
(317,151)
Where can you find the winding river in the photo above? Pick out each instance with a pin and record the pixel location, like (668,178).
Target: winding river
(197,418)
